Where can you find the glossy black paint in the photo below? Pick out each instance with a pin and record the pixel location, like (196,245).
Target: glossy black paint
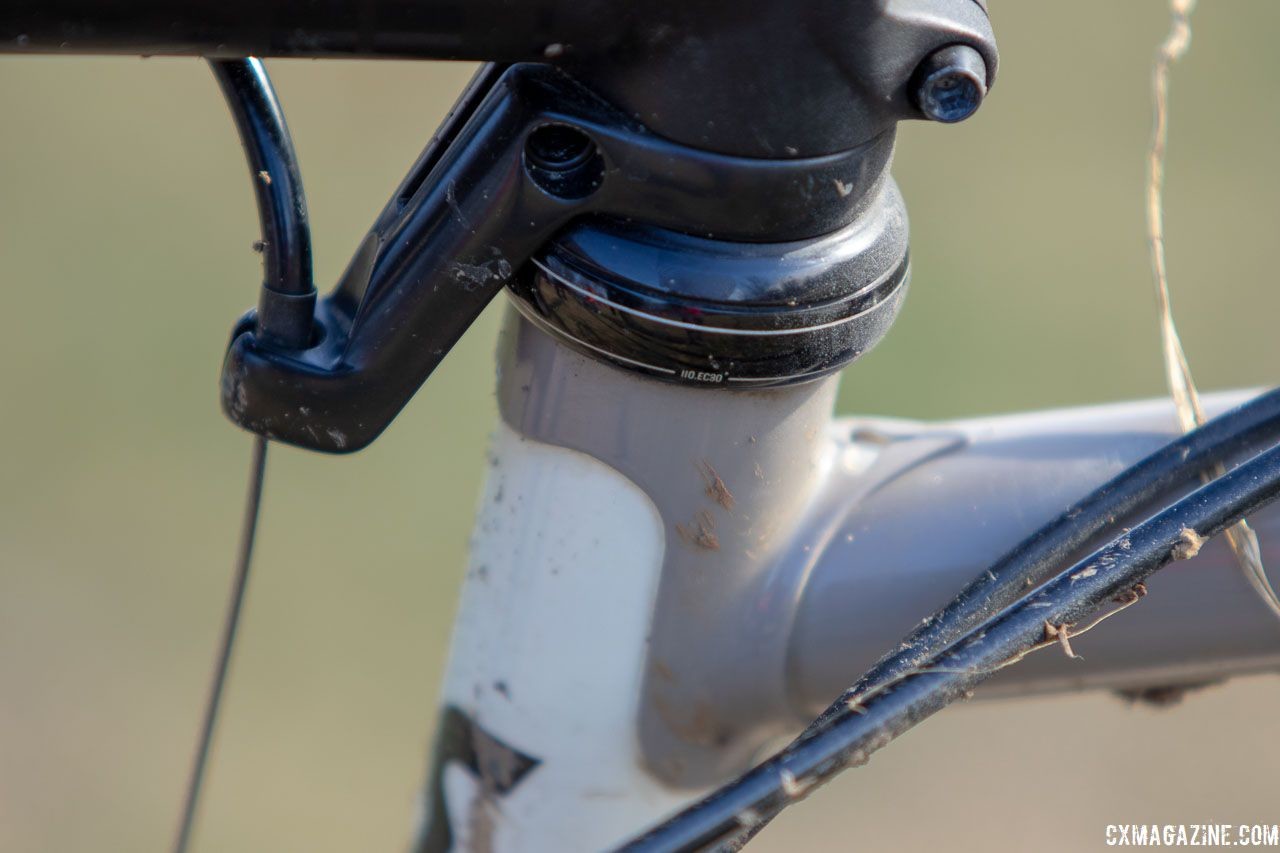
(756,78)
(706,312)
(754,122)
(288,296)
(473,212)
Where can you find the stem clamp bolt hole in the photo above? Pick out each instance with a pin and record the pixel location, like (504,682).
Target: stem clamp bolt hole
(563,161)
(558,147)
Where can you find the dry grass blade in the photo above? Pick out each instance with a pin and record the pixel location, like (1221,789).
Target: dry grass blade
(1241,538)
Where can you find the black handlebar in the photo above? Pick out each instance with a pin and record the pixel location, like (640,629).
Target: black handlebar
(752,78)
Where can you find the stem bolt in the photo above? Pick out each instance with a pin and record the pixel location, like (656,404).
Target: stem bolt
(950,83)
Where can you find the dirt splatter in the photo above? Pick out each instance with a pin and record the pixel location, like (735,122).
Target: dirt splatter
(1129,596)
(1188,545)
(475,276)
(715,487)
(1080,575)
(701,532)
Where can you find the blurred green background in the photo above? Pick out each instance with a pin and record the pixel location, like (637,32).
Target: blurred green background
(126,222)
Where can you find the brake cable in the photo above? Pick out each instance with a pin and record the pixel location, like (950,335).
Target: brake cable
(253,502)
(284,314)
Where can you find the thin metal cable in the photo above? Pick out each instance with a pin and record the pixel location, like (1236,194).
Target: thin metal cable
(286,236)
(248,532)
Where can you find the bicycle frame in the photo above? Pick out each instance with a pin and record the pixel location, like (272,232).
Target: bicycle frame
(723,551)
(750,635)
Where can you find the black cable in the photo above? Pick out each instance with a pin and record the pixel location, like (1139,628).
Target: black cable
(248,532)
(273,166)
(284,314)
(737,811)
(287,299)
(1178,463)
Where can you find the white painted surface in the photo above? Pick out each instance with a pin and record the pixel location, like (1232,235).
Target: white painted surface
(549,650)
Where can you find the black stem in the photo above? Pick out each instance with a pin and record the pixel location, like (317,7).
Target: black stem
(852,732)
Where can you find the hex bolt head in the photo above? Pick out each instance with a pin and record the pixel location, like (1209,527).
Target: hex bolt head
(950,83)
